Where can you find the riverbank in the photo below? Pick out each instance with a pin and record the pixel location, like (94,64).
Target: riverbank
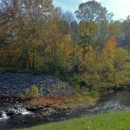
(107,103)
(110,121)
(48,106)
(54,95)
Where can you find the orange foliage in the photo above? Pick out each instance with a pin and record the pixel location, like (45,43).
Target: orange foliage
(110,45)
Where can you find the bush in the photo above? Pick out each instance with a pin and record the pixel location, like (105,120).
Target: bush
(33,92)
(75,80)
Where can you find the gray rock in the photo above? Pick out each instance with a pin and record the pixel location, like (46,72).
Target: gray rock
(15,83)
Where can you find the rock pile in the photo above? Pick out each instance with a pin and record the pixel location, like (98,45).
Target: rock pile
(15,83)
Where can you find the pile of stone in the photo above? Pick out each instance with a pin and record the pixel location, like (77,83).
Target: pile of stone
(15,84)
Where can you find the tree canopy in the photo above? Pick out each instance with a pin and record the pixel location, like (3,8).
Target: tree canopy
(92,52)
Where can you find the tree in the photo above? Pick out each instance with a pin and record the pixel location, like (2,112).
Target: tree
(91,11)
(86,34)
(102,35)
(8,11)
(59,45)
(26,21)
(117,59)
(31,27)
(73,31)
(125,33)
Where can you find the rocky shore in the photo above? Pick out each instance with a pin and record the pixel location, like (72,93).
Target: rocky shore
(15,84)
(55,95)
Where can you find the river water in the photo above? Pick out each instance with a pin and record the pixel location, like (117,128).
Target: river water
(107,103)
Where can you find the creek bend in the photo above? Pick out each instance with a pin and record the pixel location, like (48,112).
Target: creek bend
(107,103)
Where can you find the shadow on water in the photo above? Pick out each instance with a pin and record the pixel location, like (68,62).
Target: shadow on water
(107,103)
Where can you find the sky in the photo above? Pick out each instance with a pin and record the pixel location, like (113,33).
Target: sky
(120,8)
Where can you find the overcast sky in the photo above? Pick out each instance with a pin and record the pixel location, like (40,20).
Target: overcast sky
(120,8)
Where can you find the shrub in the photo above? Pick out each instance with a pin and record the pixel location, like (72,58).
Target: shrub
(33,92)
(75,80)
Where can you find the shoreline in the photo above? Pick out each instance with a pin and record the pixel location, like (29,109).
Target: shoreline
(48,106)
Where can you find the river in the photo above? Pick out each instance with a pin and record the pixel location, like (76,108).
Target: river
(107,103)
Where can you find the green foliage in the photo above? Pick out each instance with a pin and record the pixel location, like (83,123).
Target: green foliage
(33,92)
(91,11)
(77,94)
(41,70)
(40,66)
(95,94)
(8,69)
(75,80)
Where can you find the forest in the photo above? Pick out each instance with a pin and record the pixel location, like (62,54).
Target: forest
(88,49)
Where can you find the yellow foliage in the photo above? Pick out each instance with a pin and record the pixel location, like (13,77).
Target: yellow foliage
(110,45)
(87,29)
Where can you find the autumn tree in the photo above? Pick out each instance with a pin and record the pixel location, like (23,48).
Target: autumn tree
(92,17)
(116,59)
(31,31)
(60,45)
(26,22)
(8,11)
(86,34)
(35,36)
(92,11)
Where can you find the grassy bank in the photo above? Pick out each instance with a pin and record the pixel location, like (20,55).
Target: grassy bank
(109,121)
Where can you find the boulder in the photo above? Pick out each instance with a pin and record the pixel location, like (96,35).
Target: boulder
(10,111)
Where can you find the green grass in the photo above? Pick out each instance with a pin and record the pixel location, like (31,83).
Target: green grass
(109,121)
